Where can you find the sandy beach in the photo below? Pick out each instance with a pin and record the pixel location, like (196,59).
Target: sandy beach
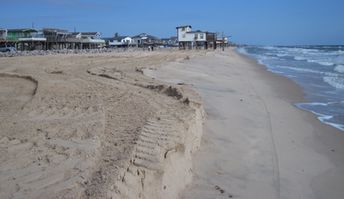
(162,124)
(93,126)
(256,143)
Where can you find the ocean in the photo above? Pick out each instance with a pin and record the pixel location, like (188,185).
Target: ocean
(319,70)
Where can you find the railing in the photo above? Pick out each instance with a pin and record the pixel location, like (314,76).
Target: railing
(73,39)
(36,35)
(33,36)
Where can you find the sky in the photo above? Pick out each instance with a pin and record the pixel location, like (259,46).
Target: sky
(258,22)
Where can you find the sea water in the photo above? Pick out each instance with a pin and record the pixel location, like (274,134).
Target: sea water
(319,70)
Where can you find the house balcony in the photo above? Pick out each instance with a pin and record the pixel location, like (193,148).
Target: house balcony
(33,37)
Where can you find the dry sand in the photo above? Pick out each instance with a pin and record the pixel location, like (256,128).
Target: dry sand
(256,144)
(93,126)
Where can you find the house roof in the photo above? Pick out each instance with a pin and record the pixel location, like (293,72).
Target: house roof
(197,31)
(146,35)
(85,34)
(107,38)
(170,38)
(185,26)
(118,38)
(55,30)
(90,33)
(22,30)
(140,35)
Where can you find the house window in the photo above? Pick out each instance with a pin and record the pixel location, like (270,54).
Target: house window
(201,36)
(196,36)
(183,29)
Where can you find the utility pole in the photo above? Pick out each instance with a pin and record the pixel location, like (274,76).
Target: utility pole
(223,42)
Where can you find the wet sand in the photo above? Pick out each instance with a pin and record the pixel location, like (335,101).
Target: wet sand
(256,143)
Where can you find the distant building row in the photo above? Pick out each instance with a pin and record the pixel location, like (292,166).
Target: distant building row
(141,40)
(52,38)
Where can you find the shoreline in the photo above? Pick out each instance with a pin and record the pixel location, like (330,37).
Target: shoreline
(300,99)
(331,133)
(325,134)
(297,95)
(306,154)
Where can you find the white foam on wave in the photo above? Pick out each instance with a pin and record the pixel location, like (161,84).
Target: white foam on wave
(261,62)
(308,104)
(321,117)
(335,125)
(317,104)
(270,54)
(303,51)
(299,58)
(262,58)
(270,47)
(339,60)
(332,78)
(324,63)
(313,60)
(306,70)
(339,68)
(274,71)
(281,55)
(335,81)
(242,51)
(321,57)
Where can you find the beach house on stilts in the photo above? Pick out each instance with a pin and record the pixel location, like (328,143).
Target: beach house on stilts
(188,39)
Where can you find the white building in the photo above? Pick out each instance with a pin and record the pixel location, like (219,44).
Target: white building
(184,35)
(87,39)
(90,37)
(199,35)
(145,39)
(119,41)
(194,39)
(3,34)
